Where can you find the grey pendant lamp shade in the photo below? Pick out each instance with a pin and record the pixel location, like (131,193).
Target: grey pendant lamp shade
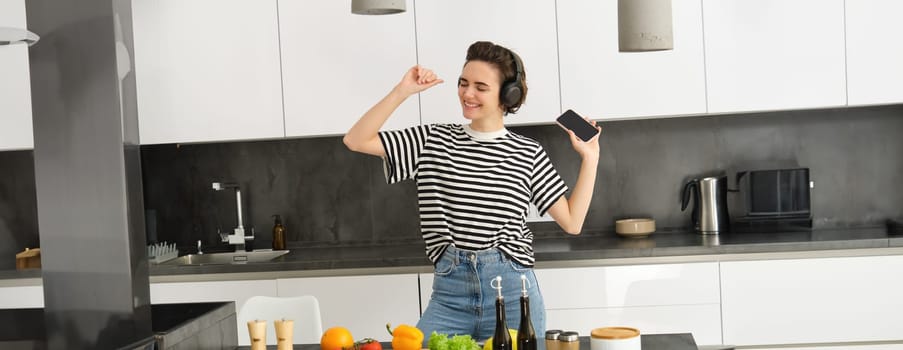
(644,25)
(377,7)
(17,35)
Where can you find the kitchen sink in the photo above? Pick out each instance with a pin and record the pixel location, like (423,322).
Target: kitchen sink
(227,258)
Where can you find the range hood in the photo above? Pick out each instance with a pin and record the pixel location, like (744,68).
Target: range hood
(9,36)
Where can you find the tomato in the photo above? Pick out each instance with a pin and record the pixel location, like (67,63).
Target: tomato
(368,344)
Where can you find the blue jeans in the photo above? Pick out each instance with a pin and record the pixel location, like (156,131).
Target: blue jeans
(463,302)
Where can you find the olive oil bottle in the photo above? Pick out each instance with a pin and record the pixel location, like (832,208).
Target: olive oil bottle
(501,340)
(526,336)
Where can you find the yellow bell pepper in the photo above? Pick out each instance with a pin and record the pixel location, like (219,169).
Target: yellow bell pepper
(405,337)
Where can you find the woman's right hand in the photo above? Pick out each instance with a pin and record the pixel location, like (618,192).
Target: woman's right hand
(416,80)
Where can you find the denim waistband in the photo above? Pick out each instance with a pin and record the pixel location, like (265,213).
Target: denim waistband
(485,256)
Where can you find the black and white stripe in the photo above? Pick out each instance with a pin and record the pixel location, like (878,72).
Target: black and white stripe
(473,193)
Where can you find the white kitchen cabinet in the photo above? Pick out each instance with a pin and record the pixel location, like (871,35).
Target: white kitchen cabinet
(599,82)
(774,54)
(207,70)
(812,300)
(874,71)
(194,292)
(336,65)
(22,297)
(363,304)
(186,292)
(445,29)
(665,298)
(15,83)
(898,346)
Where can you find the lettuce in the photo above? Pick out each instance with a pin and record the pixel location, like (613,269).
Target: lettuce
(439,341)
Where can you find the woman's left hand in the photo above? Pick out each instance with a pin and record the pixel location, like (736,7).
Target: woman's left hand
(586,149)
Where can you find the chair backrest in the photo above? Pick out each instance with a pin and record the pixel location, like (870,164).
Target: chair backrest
(304,310)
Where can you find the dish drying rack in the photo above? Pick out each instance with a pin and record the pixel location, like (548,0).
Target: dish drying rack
(162,252)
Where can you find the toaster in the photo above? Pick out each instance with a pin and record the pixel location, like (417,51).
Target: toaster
(775,196)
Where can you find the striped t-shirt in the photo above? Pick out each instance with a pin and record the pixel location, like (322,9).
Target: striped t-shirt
(473,192)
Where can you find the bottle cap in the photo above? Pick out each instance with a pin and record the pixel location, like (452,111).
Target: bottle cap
(552,334)
(278,219)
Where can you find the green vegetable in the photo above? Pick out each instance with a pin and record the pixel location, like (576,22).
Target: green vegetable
(439,341)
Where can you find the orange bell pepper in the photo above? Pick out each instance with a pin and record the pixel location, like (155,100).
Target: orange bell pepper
(405,337)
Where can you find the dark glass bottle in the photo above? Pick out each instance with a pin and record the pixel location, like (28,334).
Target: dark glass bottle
(278,234)
(526,336)
(501,340)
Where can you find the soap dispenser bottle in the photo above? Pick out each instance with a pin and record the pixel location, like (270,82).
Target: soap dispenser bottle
(278,234)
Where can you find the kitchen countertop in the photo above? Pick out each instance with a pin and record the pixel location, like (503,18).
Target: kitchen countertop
(676,341)
(551,251)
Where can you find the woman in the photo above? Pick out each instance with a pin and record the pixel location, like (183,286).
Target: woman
(475,183)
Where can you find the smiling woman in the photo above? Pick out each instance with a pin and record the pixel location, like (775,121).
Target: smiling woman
(475,185)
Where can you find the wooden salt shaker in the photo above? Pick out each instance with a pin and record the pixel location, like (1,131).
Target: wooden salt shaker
(284,329)
(257,330)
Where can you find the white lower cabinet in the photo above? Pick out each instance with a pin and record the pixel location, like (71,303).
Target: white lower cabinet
(824,300)
(22,297)
(665,298)
(186,292)
(363,304)
(842,347)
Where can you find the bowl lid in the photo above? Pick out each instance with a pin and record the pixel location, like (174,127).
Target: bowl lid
(615,333)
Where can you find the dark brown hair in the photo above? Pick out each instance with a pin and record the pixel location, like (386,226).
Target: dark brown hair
(503,59)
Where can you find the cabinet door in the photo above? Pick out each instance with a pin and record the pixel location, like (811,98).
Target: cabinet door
(15,83)
(624,286)
(22,297)
(599,82)
(446,28)
(185,292)
(774,54)
(874,72)
(236,291)
(207,70)
(336,65)
(363,304)
(812,300)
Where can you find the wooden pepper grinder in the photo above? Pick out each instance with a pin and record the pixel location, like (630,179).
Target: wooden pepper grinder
(284,329)
(257,330)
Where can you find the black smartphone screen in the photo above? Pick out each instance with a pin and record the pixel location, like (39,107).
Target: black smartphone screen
(574,122)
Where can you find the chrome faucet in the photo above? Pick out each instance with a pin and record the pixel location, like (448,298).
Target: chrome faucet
(237,238)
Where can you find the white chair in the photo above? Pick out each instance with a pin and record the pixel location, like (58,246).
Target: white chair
(304,310)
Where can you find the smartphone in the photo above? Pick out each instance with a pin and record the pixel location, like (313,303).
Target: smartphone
(572,121)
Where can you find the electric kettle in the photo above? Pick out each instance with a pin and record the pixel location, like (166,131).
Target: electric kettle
(709,194)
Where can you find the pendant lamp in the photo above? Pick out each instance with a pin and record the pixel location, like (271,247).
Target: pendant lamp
(10,36)
(644,25)
(377,7)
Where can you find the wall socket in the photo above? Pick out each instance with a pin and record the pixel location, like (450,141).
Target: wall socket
(533,215)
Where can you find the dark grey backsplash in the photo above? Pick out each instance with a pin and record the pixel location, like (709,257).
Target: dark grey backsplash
(18,206)
(327,194)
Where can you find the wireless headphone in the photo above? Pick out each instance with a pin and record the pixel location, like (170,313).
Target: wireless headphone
(512,90)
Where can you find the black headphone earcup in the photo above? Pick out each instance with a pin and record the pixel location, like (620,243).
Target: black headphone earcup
(511,94)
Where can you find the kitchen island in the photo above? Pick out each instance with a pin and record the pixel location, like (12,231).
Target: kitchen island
(681,341)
